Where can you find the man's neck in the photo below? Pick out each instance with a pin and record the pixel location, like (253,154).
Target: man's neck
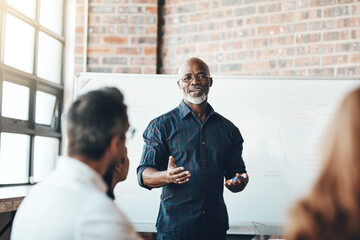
(198,109)
(97,165)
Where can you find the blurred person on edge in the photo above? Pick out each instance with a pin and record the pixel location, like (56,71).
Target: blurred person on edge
(72,203)
(331,211)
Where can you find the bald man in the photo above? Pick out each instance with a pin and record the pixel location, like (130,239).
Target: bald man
(190,152)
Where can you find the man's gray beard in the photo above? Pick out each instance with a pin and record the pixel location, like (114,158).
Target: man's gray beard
(196,100)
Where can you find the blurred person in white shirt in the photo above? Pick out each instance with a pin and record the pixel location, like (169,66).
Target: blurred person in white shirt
(72,203)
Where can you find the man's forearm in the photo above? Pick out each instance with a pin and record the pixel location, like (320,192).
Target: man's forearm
(154,178)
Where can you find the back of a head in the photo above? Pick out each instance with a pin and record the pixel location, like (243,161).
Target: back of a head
(332,210)
(93,119)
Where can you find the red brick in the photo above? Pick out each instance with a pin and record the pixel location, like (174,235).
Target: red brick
(79,49)
(335,36)
(305,15)
(94,40)
(169,10)
(94,19)
(79,20)
(254,66)
(99,50)
(204,6)
(257,20)
(134,70)
(150,50)
(308,61)
(115,40)
(273,53)
(322,3)
(78,69)
(294,73)
(335,60)
(149,70)
(282,17)
(281,40)
(199,17)
(230,46)
(140,60)
(79,39)
(80,29)
(151,9)
(323,72)
(321,49)
(152,30)
(128,50)
(173,1)
(256,43)
(300,28)
(308,38)
(181,50)
(269,30)
(144,1)
(348,22)
(355,58)
(216,14)
(210,47)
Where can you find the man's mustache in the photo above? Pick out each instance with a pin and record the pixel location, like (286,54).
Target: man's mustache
(196,88)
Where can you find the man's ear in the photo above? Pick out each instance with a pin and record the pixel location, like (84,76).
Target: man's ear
(115,143)
(178,83)
(211,81)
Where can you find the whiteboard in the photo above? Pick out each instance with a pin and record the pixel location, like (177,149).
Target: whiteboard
(281,120)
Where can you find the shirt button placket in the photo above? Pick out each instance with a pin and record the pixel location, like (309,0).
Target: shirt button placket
(204,171)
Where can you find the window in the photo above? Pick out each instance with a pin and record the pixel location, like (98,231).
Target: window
(31,88)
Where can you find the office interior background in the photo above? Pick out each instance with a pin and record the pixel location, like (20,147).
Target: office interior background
(44,43)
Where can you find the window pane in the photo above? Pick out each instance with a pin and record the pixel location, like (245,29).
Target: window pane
(45,108)
(49,59)
(15,101)
(27,7)
(45,155)
(19,44)
(14,158)
(51,14)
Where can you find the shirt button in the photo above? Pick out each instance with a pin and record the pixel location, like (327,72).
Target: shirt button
(203,212)
(203,143)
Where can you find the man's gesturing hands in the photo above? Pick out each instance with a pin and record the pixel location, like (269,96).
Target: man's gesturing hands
(176,174)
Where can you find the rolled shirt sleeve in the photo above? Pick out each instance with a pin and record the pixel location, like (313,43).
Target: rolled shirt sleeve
(154,151)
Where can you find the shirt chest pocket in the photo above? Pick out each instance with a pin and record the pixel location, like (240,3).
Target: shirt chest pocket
(182,144)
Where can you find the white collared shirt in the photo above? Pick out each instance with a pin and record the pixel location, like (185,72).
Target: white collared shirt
(70,204)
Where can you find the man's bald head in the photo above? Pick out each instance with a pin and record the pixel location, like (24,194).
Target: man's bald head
(192,61)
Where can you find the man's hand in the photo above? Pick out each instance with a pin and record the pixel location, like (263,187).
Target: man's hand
(176,174)
(237,185)
(154,178)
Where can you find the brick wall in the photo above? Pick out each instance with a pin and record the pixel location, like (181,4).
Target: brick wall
(122,36)
(263,37)
(235,37)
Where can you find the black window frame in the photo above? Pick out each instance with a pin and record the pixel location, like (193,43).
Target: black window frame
(34,83)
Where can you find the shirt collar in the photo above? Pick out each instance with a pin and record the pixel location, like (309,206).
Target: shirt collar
(81,172)
(185,110)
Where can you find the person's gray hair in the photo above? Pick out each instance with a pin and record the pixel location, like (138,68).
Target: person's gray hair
(92,121)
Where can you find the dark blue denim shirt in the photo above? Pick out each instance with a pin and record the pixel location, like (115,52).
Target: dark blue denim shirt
(210,151)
